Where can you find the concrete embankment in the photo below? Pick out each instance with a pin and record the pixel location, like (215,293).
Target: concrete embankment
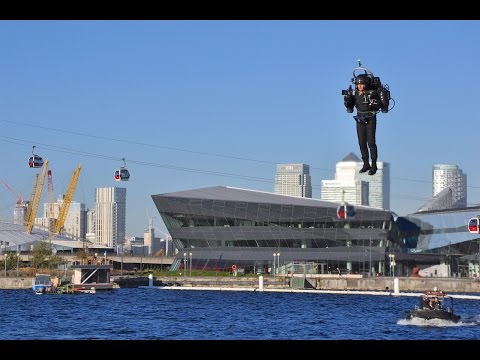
(449,285)
(316,282)
(16,282)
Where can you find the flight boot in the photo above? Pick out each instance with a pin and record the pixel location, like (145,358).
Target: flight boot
(366,166)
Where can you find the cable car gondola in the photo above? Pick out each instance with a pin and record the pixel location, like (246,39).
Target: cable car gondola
(346,211)
(122,174)
(35,161)
(474,225)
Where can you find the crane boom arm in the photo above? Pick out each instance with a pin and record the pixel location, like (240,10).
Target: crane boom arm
(67,200)
(30,202)
(37,196)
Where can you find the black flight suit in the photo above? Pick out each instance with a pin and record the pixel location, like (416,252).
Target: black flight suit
(367,105)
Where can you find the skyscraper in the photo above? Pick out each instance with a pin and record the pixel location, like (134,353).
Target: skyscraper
(91,220)
(450,176)
(346,187)
(293,180)
(378,185)
(75,222)
(358,189)
(110,224)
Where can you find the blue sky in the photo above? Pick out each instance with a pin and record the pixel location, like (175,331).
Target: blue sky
(192,104)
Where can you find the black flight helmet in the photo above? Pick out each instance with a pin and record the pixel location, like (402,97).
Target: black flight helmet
(363,79)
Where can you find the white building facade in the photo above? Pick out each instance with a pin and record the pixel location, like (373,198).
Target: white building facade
(378,185)
(110,220)
(450,176)
(293,180)
(75,221)
(358,189)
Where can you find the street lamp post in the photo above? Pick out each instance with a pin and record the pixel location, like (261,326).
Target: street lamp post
(18,257)
(185,264)
(190,264)
(274,264)
(370,272)
(304,272)
(167,239)
(121,262)
(278,263)
(5,256)
(392,264)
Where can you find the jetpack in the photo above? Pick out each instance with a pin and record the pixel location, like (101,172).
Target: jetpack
(374,87)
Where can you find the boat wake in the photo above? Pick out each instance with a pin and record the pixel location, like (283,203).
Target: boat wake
(440,322)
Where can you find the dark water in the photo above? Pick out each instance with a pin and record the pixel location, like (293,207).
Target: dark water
(152,314)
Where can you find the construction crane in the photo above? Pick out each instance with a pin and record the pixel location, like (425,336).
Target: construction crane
(35,198)
(18,205)
(50,215)
(30,202)
(66,201)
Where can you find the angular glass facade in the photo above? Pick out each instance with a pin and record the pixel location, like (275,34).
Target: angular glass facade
(224,226)
(439,231)
(220,226)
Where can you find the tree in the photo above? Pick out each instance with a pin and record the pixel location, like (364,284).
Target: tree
(82,256)
(41,256)
(12,259)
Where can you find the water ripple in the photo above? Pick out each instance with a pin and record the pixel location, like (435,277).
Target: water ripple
(136,314)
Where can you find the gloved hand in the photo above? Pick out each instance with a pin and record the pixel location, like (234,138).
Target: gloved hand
(349,102)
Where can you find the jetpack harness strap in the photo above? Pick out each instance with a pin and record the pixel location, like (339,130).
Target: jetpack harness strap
(361,119)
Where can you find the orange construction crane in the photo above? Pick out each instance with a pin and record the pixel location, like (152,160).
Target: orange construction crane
(30,202)
(35,199)
(66,201)
(50,215)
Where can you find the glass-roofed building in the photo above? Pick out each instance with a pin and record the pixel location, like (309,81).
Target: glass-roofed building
(221,226)
(443,232)
(224,226)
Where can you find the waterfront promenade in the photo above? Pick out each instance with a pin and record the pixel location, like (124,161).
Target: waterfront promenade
(328,282)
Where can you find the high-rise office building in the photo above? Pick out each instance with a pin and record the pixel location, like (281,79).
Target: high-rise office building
(19,212)
(293,180)
(346,187)
(74,223)
(450,176)
(110,223)
(91,220)
(378,185)
(358,189)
